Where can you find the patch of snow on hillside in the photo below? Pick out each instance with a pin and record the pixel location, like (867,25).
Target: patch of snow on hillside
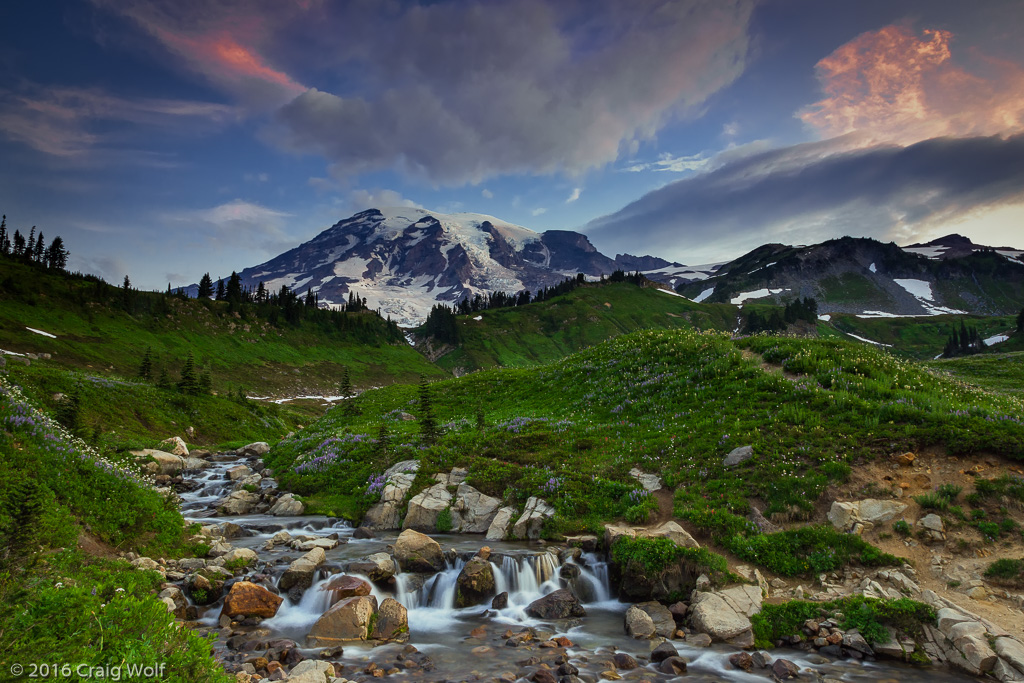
(825,316)
(756,294)
(45,334)
(996,339)
(866,340)
(922,291)
(10,353)
(927,252)
(704,295)
(872,268)
(478,317)
(1011,254)
(669,291)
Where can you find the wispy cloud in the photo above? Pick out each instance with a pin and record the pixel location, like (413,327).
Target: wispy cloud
(576,192)
(234,222)
(486,194)
(538,211)
(668,162)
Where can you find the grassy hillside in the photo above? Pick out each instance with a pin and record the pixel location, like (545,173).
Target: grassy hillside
(671,402)
(536,333)
(59,605)
(98,333)
(998,372)
(921,338)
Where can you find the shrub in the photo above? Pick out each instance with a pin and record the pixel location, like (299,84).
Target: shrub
(444,521)
(949,491)
(932,501)
(1007,571)
(902,527)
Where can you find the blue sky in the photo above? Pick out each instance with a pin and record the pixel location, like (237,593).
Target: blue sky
(167,138)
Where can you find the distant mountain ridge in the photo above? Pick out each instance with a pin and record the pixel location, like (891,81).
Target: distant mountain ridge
(406,260)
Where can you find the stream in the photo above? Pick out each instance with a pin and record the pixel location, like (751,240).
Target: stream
(443,632)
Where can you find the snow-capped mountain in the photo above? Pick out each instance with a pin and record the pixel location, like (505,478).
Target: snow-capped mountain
(405,260)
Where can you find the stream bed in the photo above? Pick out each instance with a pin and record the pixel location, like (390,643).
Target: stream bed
(470,643)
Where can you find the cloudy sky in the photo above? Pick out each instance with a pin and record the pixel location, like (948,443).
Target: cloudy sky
(167,138)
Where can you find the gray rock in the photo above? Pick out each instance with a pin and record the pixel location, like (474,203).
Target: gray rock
(712,615)
(473,512)
(1012,651)
(932,522)
(639,623)
(345,621)
(425,506)
(287,506)
(418,552)
(529,523)
(386,514)
(879,511)
(498,530)
(238,503)
(649,482)
(560,604)
(256,449)
(661,617)
(738,455)
(377,567)
(300,572)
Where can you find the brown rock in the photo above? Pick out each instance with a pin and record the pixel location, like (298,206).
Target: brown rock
(783,669)
(345,621)
(392,621)
(673,666)
(905,459)
(247,599)
(742,660)
(345,586)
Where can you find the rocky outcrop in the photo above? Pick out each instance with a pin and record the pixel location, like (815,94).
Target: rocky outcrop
(472,511)
(377,567)
(247,599)
(161,462)
(254,450)
(392,621)
(560,604)
(932,527)
(861,515)
(529,524)
(287,506)
(418,552)
(240,556)
(300,573)
(475,583)
(669,529)
(174,445)
(649,482)
(425,507)
(348,620)
(498,529)
(725,615)
(386,514)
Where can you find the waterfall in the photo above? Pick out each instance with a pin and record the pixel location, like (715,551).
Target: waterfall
(306,611)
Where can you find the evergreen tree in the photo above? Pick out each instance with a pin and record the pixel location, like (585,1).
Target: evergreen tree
(261,293)
(480,422)
(347,393)
(126,294)
(205,383)
(380,450)
(4,242)
(19,244)
(234,290)
(57,255)
(146,366)
(24,506)
(30,247)
(205,287)
(164,380)
(69,409)
(39,253)
(428,424)
(1020,321)
(189,382)
(220,290)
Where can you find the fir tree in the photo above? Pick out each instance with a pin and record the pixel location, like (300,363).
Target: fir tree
(146,366)
(380,450)
(261,293)
(69,409)
(30,247)
(56,254)
(164,380)
(25,505)
(428,424)
(189,382)
(39,253)
(347,393)
(205,383)
(205,287)
(220,290)
(19,244)
(4,241)
(234,290)
(126,294)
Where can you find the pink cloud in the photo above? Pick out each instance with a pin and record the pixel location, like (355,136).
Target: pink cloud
(894,86)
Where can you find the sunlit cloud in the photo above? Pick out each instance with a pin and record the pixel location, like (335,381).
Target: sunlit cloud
(574,195)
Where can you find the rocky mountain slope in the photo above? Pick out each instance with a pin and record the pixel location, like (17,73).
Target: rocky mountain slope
(405,260)
(950,275)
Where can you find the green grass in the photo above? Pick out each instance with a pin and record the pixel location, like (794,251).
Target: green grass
(851,288)
(525,336)
(999,372)
(671,402)
(919,338)
(869,615)
(96,335)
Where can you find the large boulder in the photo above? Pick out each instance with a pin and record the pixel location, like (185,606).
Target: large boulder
(673,531)
(661,617)
(240,556)
(649,482)
(473,512)
(204,586)
(300,573)
(475,583)
(425,507)
(498,529)
(639,623)
(386,514)
(561,604)
(247,599)
(711,614)
(530,522)
(257,450)
(418,552)
(738,455)
(377,567)
(162,462)
(348,620)
(287,506)
(344,586)
(392,621)
(174,445)
(238,503)
(845,515)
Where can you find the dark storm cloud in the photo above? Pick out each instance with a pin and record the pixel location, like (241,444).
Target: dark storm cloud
(812,191)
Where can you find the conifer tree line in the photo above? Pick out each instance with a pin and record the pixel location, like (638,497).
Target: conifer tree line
(778,320)
(964,342)
(192,382)
(442,325)
(34,249)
